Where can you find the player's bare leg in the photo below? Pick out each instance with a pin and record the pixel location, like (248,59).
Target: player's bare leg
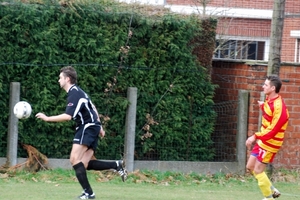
(77,154)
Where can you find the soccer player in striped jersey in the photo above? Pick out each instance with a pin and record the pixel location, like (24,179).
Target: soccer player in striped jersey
(269,139)
(88,129)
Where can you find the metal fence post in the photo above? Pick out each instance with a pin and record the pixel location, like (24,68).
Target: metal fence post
(242,129)
(12,137)
(130,128)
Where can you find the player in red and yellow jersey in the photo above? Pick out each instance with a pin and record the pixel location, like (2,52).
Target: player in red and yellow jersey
(270,138)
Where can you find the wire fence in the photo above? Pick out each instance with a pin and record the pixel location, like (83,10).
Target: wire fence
(224,135)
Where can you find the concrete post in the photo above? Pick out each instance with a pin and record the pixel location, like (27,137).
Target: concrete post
(130,128)
(12,137)
(242,129)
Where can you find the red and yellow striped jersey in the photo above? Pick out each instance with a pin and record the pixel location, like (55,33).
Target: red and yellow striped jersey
(275,118)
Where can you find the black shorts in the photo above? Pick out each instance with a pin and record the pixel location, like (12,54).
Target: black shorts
(88,135)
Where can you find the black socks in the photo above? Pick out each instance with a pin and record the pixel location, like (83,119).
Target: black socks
(101,165)
(80,172)
(81,175)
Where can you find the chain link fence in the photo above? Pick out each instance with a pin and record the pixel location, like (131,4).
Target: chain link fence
(224,136)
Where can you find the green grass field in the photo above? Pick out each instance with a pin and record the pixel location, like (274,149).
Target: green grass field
(62,184)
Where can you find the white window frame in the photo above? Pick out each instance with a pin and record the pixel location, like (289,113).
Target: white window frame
(254,39)
(296,34)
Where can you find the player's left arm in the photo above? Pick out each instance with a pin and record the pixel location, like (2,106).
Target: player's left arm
(102,132)
(95,109)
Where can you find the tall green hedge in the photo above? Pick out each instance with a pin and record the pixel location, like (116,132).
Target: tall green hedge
(112,48)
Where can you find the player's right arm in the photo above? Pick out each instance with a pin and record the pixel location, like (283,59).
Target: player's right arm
(54,118)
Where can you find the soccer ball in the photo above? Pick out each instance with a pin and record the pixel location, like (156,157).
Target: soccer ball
(22,110)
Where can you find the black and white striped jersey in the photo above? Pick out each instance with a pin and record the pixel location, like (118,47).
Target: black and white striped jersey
(79,106)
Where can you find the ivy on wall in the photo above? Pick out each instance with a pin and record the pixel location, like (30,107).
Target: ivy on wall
(112,49)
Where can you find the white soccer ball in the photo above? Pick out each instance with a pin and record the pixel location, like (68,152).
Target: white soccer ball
(22,110)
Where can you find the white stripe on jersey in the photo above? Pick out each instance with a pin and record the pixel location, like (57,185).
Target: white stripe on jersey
(77,109)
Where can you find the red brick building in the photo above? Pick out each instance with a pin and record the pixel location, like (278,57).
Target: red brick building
(244,26)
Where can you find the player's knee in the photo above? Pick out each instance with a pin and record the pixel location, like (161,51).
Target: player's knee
(250,168)
(73,161)
(258,171)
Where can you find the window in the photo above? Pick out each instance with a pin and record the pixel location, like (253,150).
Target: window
(297,50)
(240,49)
(296,34)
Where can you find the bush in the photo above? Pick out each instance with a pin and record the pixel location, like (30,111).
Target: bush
(112,50)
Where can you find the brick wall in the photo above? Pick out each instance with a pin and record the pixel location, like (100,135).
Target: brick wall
(244,27)
(232,77)
(292,6)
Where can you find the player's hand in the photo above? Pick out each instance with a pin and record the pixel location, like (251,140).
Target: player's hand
(260,103)
(41,116)
(250,141)
(102,132)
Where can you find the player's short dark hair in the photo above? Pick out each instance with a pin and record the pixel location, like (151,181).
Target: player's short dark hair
(70,72)
(275,81)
